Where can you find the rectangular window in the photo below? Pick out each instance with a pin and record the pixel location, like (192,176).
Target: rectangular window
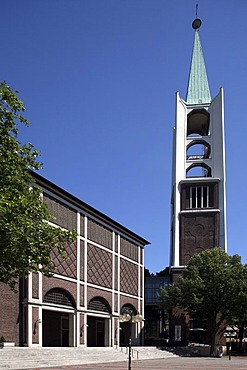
(199,197)
(152,288)
(205,196)
(193,198)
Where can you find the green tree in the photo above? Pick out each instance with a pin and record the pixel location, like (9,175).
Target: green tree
(208,288)
(26,237)
(239,302)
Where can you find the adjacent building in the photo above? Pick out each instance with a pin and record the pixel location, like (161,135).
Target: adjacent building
(156,317)
(80,304)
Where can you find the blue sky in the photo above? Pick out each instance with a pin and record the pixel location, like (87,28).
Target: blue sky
(99,77)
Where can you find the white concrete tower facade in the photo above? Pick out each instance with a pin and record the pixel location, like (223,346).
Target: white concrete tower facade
(198,199)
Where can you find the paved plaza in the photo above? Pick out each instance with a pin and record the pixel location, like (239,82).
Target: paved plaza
(108,358)
(176,363)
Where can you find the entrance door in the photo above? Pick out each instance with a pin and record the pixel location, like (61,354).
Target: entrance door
(57,329)
(64,331)
(100,333)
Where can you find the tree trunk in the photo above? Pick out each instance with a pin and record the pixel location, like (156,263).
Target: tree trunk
(240,336)
(213,328)
(212,348)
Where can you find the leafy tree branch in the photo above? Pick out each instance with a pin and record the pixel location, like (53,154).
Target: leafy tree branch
(26,237)
(213,286)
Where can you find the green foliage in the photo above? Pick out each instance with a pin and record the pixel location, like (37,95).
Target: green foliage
(213,286)
(26,238)
(239,300)
(2,339)
(146,272)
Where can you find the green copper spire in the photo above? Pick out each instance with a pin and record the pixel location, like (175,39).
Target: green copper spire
(198,89)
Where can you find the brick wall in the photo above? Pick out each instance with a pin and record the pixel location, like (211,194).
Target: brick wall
(9,314)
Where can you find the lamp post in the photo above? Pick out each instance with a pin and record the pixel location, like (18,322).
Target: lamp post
(230,334)
(127,314)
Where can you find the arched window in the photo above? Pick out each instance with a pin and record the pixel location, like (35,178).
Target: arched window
(58,296)
(128,307)
(99,304)
(198,170)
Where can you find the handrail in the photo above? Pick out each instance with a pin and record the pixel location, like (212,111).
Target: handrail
(125,349)
(132,353)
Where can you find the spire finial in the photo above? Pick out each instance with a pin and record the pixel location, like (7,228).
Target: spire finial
(197,22)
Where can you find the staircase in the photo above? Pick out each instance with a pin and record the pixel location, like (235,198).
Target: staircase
(27,358)
(149,353)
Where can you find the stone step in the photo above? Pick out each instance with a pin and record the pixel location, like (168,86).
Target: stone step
(26,358)
(145,353)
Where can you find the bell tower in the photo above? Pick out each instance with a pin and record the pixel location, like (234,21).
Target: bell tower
(198,198)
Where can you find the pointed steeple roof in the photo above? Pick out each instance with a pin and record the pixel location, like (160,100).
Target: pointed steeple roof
(198,89)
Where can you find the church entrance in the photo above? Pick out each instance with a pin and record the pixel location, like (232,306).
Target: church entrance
(58,319)
(98,333)
(57,329)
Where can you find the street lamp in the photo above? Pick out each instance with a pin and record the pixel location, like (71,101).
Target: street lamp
(230,334)
(127,314)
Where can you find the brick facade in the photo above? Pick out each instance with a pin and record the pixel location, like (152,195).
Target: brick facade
(198,232)
(9,308)
(101,274)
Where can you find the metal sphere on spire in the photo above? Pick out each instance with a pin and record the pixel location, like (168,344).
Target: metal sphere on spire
(196,23)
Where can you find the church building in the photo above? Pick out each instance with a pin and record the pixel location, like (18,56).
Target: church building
(84,301)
